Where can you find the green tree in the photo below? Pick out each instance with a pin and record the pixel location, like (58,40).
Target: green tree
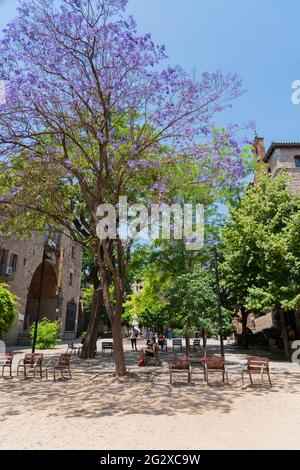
(193,302)
(260,252)
(8,308)
(149,304)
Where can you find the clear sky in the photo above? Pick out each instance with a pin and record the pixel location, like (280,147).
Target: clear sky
(258,39)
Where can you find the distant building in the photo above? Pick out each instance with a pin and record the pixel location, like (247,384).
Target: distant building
(280,155)
(20,268)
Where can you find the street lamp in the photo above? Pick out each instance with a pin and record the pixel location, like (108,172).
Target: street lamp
(220,320)
(213,247)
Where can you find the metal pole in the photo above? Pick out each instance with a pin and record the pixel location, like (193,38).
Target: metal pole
(219,301)
(39,300)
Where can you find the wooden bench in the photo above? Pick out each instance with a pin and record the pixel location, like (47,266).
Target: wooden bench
(6,362)
(107,346)
(152,360)
(182,366)
(62,364)
(196,345)
(73,348)
(256,365)
(31,361)
(177,342)
(215,364)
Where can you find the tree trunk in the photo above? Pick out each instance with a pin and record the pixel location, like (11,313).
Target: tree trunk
(204,340)
(187,345)
(110,275)
(89,347)
(119,359)
(244,314)
(284,334)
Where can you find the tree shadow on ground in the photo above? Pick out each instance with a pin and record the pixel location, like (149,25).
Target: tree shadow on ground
(146,392)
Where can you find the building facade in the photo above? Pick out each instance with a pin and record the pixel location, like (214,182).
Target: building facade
(21,269)
(280,156)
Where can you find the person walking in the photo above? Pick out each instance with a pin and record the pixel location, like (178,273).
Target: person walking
(133,338)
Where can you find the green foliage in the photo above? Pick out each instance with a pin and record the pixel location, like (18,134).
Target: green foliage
(261,254)
(47,333)
(193,301)
(87,298)
(8,308)
(150,307)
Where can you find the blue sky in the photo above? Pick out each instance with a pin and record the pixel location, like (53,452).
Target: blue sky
(258,39)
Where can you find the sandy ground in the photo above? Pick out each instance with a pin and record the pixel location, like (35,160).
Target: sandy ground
(144,412)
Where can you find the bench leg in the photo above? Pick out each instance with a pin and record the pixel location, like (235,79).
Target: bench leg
(270,383)
(24,371)
(250,377)
(171,378)
(262,377)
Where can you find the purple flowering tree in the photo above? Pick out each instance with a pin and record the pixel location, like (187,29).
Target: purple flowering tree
(89,101)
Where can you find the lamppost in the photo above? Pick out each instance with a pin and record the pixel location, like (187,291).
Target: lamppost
(214,250)
(220,320)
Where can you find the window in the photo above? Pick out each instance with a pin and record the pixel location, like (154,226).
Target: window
(13,262)
(297,161)
(71,316)
(71,279)
(3,256)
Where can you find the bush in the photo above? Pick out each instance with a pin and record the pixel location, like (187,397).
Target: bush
(47,333)
(8,308)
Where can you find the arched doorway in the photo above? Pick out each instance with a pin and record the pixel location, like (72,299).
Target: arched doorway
(49,301)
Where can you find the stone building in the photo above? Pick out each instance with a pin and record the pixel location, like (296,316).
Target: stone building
(284,155)
(20,268)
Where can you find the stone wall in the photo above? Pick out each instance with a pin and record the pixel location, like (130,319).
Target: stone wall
(284,158)
(29,259)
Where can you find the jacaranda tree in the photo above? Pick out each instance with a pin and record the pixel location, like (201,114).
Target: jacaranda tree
(90,102)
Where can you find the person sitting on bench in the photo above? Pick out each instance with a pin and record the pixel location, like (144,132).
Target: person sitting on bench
(150,350)
(162,341)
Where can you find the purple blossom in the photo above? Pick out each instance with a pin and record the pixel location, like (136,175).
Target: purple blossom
(53,87)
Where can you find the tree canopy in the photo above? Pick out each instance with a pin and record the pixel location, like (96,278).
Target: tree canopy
(260,252)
